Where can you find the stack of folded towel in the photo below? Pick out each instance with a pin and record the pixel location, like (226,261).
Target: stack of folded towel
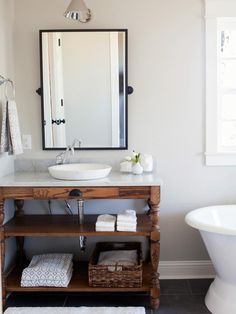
(127,221)
(105,223)
(48,270)
(118,258)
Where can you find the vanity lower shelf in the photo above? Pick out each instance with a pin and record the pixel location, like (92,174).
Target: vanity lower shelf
(78,283)
(61,225)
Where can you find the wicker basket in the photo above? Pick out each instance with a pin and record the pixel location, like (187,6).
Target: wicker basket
(128,277)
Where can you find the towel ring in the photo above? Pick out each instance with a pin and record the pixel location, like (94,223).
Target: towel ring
(12,90)
(2,80)
(5,81)
(12,96)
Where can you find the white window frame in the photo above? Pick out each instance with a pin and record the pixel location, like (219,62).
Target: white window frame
(215,9)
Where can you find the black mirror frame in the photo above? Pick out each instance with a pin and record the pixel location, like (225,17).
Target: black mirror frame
(128,89)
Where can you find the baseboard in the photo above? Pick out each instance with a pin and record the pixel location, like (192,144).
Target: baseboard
(186,269)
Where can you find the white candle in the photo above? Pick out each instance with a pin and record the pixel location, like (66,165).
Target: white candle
(147,163)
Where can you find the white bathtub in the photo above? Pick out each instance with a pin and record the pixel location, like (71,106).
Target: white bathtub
(217,225)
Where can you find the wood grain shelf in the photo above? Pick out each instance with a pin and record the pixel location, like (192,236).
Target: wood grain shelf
(61,225)
(78,283)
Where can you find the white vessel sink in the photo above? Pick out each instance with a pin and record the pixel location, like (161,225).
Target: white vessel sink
(82,171)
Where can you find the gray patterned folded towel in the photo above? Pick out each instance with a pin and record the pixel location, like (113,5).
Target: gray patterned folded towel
(50,281)
(48,270)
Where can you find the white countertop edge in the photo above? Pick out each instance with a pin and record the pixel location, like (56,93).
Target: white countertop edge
(43,179)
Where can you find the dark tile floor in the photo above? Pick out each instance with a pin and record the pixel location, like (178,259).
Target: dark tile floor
(177,297)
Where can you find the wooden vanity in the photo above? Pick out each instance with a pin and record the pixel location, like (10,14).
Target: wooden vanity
(38,186)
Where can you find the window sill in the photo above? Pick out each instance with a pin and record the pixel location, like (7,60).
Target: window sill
(220,159)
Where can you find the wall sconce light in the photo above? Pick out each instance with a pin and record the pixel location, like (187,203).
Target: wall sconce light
(77,10)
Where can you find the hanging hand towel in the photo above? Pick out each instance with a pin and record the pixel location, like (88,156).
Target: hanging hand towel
(10,137)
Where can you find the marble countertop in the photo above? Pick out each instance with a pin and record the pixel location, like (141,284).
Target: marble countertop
(41,179)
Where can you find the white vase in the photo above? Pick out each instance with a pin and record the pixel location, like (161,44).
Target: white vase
(137,168)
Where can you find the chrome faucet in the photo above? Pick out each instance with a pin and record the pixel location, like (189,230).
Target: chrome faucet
(64,157)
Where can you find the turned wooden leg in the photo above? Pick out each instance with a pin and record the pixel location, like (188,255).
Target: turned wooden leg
(155,246)
(155,290)
(19,205)
(2,248)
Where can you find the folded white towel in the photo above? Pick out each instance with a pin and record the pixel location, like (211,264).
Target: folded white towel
(118,257)
(115,260)
(104,224)
(130,212)
(134,220)
(99,229)
(106,218)
(128,215)
(126,228)
(126,223)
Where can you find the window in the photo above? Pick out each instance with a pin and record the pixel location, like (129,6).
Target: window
(226,85)
(220,82)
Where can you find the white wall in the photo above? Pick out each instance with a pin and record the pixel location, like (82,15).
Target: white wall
(6,70)
(166,111)
(6,65)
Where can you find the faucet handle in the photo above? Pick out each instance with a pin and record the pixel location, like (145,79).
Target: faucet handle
(70,150)
(76,141)
(60,158)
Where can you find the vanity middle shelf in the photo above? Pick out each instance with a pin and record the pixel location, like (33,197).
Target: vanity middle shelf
(63,225)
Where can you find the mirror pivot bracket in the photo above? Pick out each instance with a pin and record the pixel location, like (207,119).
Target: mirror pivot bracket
(130,90)
(39,91)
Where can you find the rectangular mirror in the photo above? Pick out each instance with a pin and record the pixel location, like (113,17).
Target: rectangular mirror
(84,88)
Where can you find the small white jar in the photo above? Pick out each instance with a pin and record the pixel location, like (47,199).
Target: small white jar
(137,168)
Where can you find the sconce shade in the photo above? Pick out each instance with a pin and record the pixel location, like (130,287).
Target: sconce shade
(77,10)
